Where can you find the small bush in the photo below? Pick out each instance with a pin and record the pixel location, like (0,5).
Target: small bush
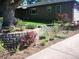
(61,35)
(30,26)
(42,37)
(19,22)
(24,25)
(1,46)
(11,29)
(1,19)
(44,42)
(56,28)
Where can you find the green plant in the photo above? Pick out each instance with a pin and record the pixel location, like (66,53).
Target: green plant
(30,26)
(44,42)
(67,24)
(11,29)
(1,19)
(1,46)
(21,28)
(45,38)
(51,36)
(61,35)
(56,28)
(19,22)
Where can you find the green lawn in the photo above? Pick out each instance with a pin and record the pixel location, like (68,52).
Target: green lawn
(27,22)
(33,23)
(21,22)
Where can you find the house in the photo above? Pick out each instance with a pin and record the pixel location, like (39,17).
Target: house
(49,10)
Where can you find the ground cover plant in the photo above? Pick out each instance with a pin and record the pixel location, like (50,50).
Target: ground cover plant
(49,34)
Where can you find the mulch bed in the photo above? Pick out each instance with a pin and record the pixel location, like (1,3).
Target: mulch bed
(32,49)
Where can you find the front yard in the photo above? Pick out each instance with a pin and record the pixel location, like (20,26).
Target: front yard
(49,34)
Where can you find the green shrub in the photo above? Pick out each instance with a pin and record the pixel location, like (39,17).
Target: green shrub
(44,38)
(19,22)
(44,42)
(11,29)
(61,35)
(1,46)
(67,26)
(56,28)
(24,24)
(30,26)
(1,19)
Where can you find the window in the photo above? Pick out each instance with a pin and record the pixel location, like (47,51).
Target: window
(58,8)
(33,11)
(49,9)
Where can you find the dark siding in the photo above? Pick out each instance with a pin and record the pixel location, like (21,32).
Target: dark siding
(21,13)
(43,15)
(68,8)
(1,11)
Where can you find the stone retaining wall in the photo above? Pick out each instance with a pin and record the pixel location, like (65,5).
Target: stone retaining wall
(11,40)
(12,35)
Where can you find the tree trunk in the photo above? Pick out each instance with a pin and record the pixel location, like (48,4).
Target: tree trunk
(8,16)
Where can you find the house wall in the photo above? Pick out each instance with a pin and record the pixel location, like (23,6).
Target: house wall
(67,8)
(1,11)
(20,13)
(44,15)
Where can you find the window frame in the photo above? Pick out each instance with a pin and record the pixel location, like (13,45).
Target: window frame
(33,9)
(59,6)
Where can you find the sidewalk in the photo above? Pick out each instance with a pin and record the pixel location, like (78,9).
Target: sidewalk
(67,49)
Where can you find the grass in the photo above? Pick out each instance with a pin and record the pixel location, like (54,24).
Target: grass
(24,22)
(28,24)
(33,23)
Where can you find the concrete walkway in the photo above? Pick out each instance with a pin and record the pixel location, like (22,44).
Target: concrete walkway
(67,49)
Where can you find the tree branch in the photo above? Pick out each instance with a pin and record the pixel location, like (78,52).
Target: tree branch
(16,3)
